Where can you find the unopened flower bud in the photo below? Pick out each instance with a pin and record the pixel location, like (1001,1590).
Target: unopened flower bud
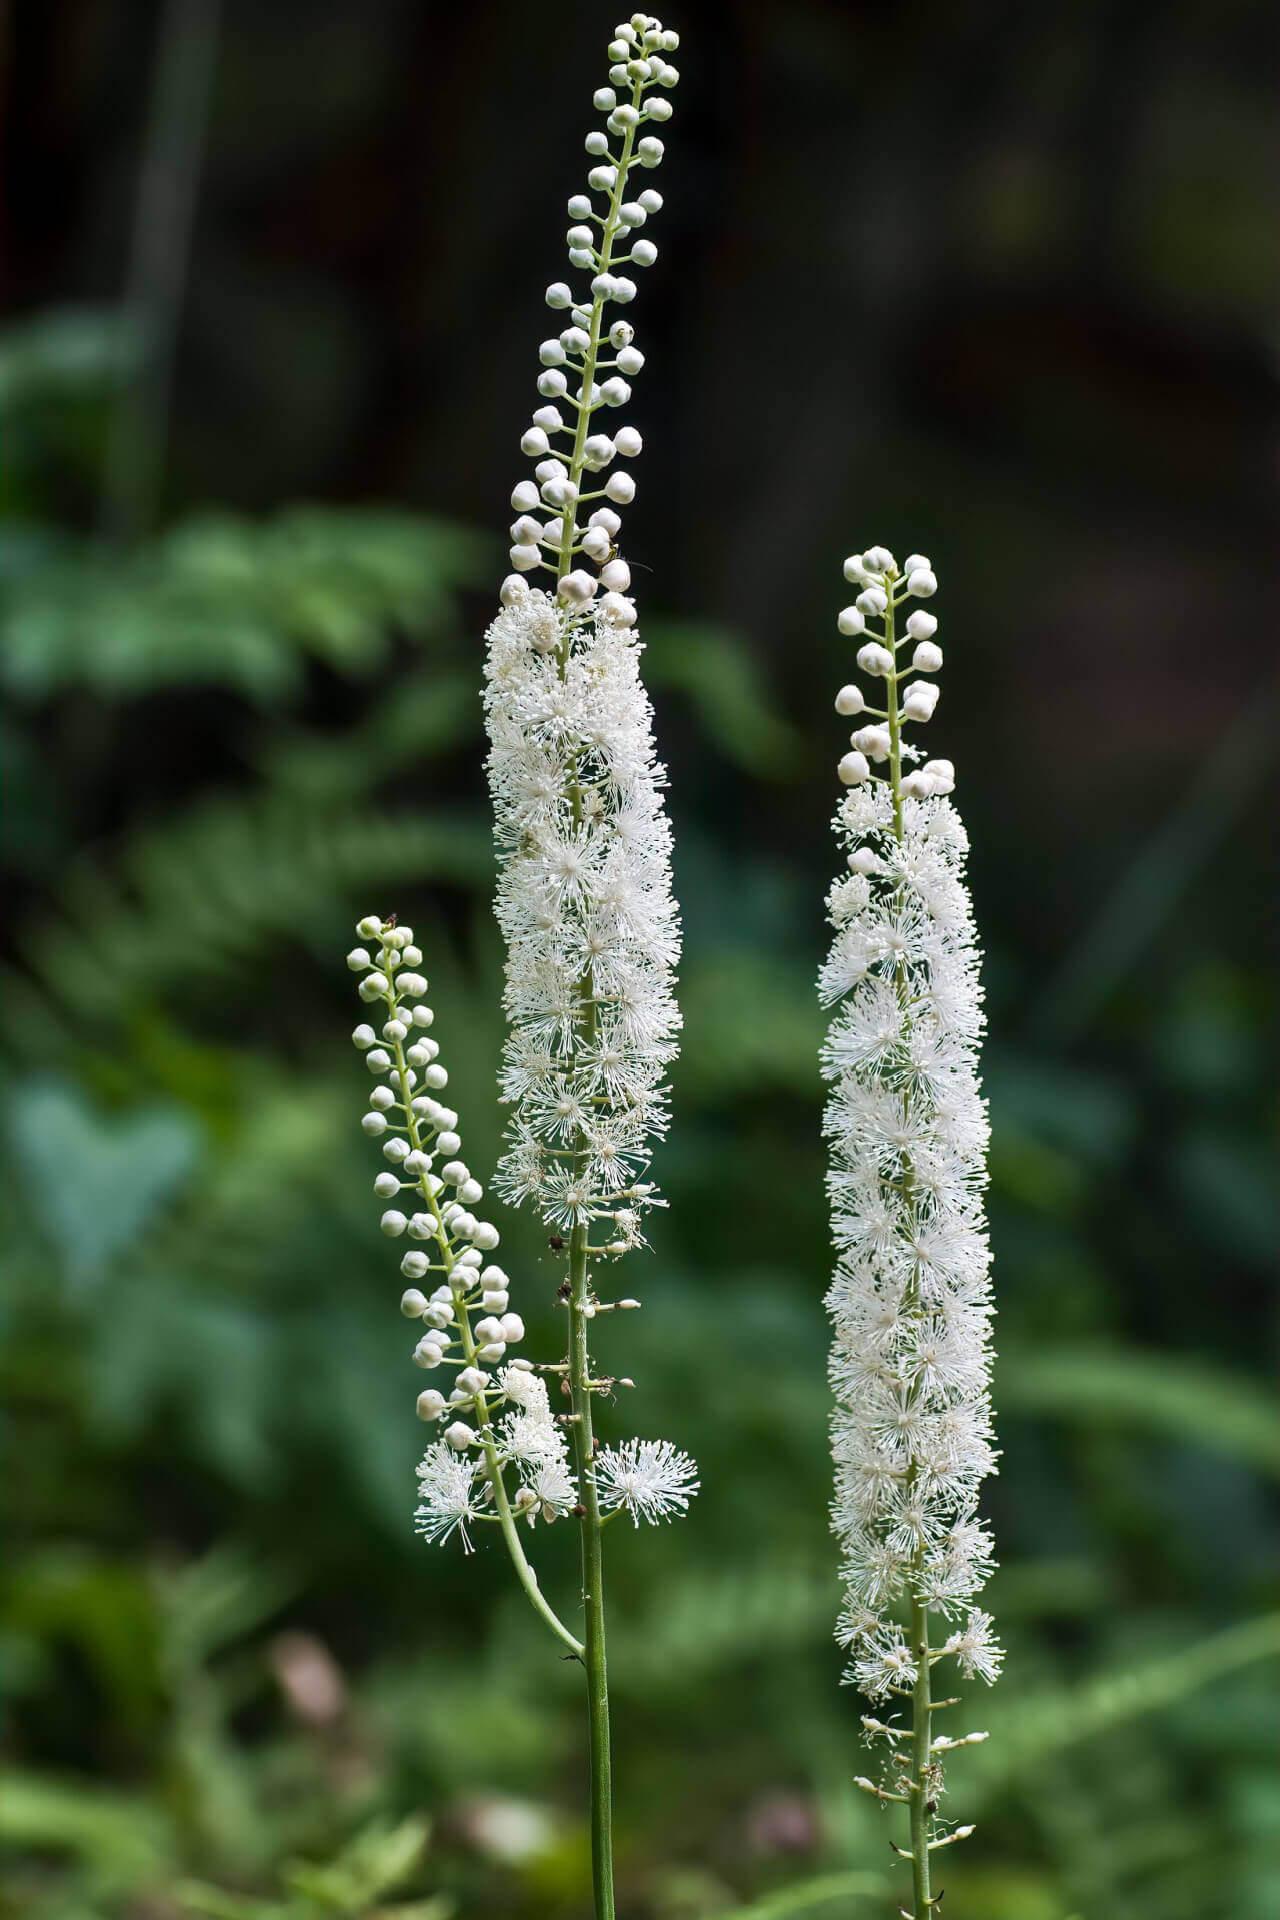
(875,659)
(919,700)
(875,742)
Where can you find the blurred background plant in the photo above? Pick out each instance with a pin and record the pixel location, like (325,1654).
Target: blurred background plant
(234,1684)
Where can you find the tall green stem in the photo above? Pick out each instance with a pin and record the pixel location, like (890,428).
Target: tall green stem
(921,1762)
(580,1387)
(592,1582)
(921,1817)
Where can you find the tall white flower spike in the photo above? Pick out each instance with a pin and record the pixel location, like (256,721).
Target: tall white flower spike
(584,901)
(910,1302)
(584,883)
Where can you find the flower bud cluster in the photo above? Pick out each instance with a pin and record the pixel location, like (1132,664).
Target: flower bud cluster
(588,366)
(459,1298)
(911,1299)
(884,589)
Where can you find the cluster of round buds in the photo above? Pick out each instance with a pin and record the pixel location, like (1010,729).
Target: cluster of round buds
(872,620)
(588,366)
(465,1315)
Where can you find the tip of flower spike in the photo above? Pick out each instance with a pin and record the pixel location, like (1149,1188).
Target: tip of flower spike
(641,77)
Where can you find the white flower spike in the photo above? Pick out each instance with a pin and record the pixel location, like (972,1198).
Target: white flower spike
(910,1302)
(584,878)
(584,901)
(463,1480)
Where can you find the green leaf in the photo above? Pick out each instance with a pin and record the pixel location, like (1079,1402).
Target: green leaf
(1038,1725)
(375,1862)
(1187,1399)
(807,1896)
(746,1028)
(223,601)
(199,1364)
(67,350)
(123,1843)
(215,1904)
(207,893)
(96,1183)
(727,690)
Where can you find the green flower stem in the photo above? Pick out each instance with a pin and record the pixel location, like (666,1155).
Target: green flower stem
(525,1573)
(920,1795)
(921,1762)
(590,1528)
(579,1279)
(592,1581)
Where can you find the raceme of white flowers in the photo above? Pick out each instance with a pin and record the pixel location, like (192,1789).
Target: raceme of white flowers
(584,893)
(494,1407)
(910,1301)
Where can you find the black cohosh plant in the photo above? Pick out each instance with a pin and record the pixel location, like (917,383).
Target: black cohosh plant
(585,905)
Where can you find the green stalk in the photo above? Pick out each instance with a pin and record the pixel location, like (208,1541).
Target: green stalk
(590,1525)
(592,1583)
(921,1762)
(921,1817)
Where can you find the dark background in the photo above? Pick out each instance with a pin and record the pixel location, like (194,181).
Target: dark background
(992,282)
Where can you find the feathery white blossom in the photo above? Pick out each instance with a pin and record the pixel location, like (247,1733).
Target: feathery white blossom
(649,1479)
(584,900)
(584,892)
(450,1493)
(584,895)
(534,1441)
(910,1301)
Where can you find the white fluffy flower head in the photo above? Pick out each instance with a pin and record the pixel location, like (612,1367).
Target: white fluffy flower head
(649,1479)
(910,1300)
(584,901)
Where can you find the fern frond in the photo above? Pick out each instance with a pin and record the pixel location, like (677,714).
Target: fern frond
(203,897)
(223,601)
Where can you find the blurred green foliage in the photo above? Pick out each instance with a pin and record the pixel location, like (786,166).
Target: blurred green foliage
(223,1653)
(233,1683)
